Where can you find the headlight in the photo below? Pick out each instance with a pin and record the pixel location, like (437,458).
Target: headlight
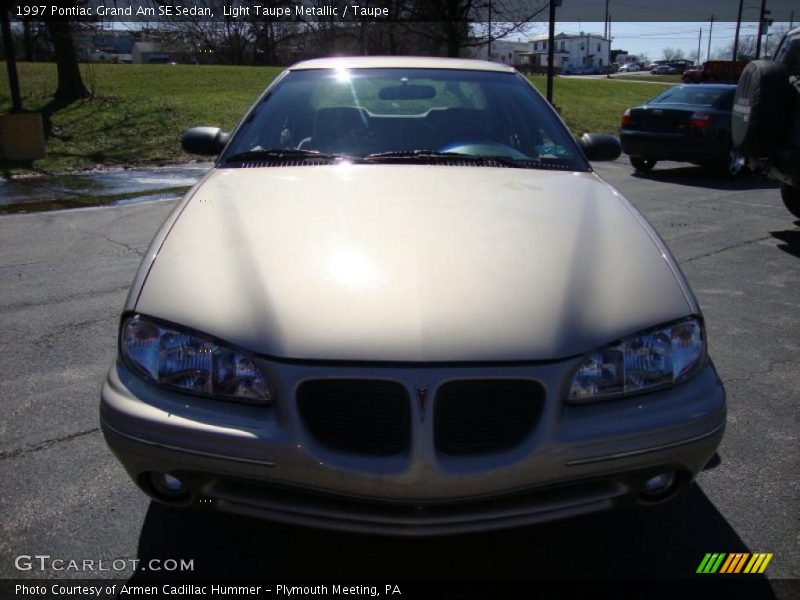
(652,359)
(188,362)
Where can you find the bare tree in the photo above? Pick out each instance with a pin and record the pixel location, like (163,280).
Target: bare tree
(32,41)
(361,35)
(271,35)
(773,39)
(325,35)
(418,26)
(455,25)
(70,84)
(226,39)
(673,53)
(747,46)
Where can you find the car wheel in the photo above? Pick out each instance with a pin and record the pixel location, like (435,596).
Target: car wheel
(761,108)
(735,165)
(791,199)
(642,164)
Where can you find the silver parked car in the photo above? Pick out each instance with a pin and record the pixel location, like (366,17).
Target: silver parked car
(402,302)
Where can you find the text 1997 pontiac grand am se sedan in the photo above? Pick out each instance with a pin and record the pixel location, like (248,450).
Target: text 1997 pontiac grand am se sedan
(402,302)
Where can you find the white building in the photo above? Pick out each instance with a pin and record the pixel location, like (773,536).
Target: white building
(506,52)
(573,53)
(623,58)
(145,52)
(104,45)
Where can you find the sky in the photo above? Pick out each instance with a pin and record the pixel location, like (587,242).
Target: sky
(646,36)
(651,37)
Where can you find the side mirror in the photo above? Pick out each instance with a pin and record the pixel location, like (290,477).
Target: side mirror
(600,146)
(208,141)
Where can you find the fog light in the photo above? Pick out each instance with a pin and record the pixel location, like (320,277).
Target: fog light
(659,484)
(167,485)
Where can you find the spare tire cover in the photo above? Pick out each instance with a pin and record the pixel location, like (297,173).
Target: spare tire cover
(761,109)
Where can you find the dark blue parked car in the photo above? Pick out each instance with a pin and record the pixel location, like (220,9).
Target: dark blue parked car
(686,123)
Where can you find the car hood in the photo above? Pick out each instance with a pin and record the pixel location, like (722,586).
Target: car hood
(411,263)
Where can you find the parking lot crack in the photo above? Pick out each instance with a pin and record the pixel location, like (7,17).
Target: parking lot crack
(726,248)
(112,240)
(70,328)
(25,264)
(45,444)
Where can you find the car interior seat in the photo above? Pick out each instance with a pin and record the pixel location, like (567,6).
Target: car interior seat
(342,129)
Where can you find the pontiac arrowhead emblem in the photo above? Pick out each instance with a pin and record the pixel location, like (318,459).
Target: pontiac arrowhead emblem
(422,400)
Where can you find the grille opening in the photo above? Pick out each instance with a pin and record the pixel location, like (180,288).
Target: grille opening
(484,416)
(357,415)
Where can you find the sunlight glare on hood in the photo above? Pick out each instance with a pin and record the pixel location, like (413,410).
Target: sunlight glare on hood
(352,269)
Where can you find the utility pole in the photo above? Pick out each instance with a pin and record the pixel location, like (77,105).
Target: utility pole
(710,29)
(551,40)
(605,29)
(699,41)
(736,37)
(489,45)
(760,28)
(586,60)
(609,44)
(791,20)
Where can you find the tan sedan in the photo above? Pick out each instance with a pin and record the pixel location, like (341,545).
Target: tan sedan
(402,302)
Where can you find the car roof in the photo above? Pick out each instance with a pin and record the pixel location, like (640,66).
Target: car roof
(400,62)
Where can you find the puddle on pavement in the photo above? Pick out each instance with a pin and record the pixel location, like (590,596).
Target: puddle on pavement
(161,196)
(93,188)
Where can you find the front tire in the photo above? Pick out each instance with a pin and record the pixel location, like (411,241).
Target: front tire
(791,199)
(642,164)
(734,166)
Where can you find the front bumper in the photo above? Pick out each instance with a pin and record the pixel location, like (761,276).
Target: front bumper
(263,461)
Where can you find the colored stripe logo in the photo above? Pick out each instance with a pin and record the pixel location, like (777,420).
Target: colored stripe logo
(743,562)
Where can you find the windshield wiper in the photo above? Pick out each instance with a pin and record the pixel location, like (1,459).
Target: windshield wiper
(432,155)
(280,154)
(402,156)
(421,153)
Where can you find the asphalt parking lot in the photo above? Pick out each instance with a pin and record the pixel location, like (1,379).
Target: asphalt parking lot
(63,279)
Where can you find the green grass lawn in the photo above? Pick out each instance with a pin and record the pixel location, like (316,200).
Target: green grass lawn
(138,111)
(646,77)
(595,105)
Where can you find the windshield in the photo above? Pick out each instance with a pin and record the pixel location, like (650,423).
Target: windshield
(366,112)
(697,95)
